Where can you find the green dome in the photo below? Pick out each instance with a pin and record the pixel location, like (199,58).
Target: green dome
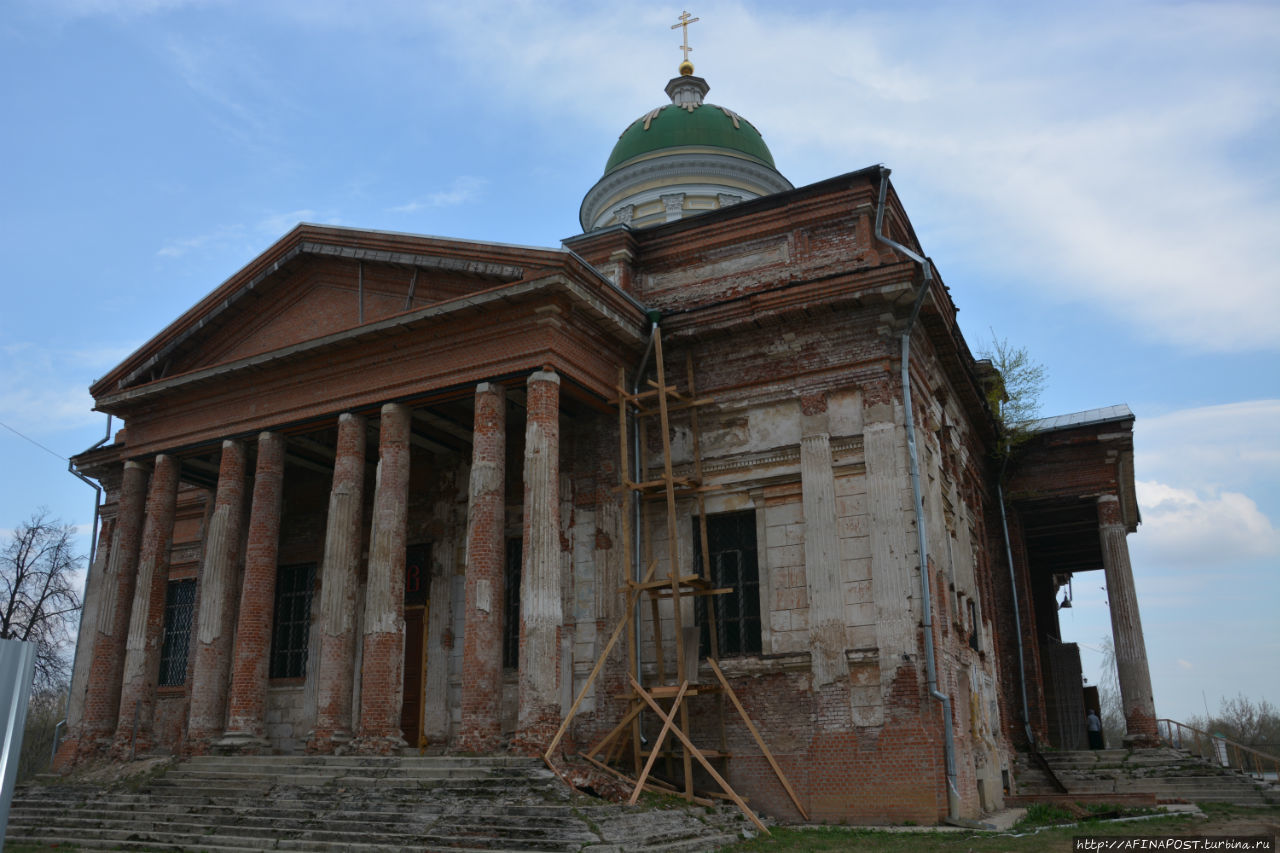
(706,125)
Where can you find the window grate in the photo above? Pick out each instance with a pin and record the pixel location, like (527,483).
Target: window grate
(179,609)
(292,620)
(731,538)
(511,605)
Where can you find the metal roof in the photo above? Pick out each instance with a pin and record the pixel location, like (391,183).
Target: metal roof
(1104,415)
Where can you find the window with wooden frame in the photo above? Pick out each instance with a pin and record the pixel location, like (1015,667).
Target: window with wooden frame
(734,563)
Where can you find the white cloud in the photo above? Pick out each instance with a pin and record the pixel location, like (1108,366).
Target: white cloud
(1186,527)
(1231,446)
(1185,664)
(247,240)
(179,246)
(276,225)
(44,388)
(463,189)
(116,8)
(1118,156)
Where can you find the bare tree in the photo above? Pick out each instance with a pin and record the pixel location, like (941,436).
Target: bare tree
(1112,711)
(39,594)
(1254,724)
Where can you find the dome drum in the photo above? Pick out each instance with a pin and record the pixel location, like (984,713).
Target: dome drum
(705,154)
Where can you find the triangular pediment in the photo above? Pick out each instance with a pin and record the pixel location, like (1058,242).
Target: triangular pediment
(319,281)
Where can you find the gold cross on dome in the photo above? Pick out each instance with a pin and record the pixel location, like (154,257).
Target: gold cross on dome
(685,21)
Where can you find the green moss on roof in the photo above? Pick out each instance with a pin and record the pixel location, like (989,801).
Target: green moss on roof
(673,126)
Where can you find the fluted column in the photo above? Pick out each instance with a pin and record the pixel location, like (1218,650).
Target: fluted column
(146,617)
(246,703)
(76,742)
(207,717)
(485,595)
(102,695)
(540,610)
(339,580)
(1126,625)
(382,664)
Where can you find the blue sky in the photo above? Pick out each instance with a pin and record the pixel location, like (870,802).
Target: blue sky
(1097,182)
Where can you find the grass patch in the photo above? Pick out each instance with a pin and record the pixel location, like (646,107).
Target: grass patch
(1053,814)
(1222,819)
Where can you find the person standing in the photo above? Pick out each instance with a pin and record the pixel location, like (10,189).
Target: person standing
(1094,725)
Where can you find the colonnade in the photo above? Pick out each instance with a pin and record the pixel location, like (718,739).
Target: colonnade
(231,636)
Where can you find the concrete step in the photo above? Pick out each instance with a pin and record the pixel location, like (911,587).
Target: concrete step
(1162,772)
(223,804)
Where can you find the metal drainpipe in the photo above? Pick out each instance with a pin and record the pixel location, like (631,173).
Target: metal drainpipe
(931,670)
(93,554)
(637,567)
(1013,587)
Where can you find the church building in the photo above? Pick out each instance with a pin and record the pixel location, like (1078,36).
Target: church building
(384,491)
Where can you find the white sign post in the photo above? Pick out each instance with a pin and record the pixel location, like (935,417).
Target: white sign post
(17,663)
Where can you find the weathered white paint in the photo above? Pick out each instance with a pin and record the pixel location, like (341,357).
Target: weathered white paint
(436,716)
(540,592)
(216,576)
(88,629)
(822,560)
(892,550)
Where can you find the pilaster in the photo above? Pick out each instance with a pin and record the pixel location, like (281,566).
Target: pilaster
(893,550)
(822,553)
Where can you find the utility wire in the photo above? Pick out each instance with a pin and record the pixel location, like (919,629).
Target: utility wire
(33,441)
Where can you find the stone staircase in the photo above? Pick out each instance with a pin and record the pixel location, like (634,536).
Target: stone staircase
(230,804)
(1167,774)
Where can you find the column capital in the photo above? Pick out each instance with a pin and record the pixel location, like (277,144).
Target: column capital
(1109,511)
(547,375)
(490,388)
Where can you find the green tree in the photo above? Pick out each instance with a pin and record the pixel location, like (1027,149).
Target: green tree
(1015,399)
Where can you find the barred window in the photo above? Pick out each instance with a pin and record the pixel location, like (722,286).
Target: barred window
(511,605)
(292,620)
(179,607)
(731,539)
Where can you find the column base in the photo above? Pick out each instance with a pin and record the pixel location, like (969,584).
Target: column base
(68,755)
(329,743)
(377,745)
(127,748)
(480,743)
(534,738)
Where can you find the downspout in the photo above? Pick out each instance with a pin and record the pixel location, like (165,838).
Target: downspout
(93,555)
(931,669)
(1013,588)
(637,567)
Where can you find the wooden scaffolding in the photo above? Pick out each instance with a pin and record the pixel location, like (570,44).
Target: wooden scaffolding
(668,695)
